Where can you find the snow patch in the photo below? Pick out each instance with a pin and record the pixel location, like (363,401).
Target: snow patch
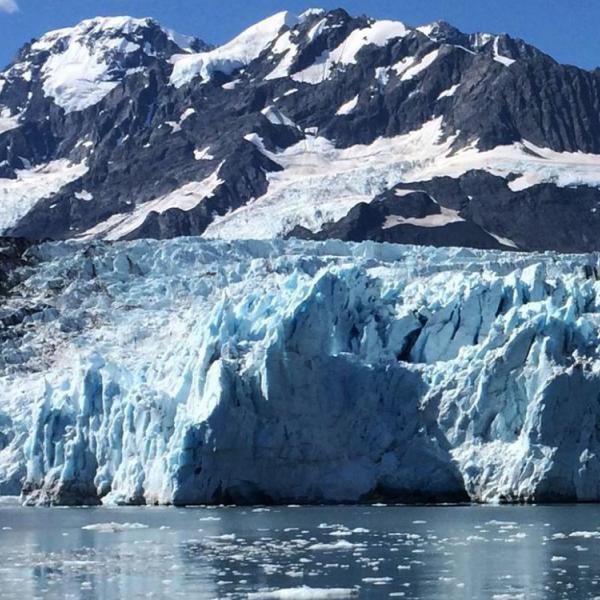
(84,195)
(276,117)
(176,125)
(203,154)
(503,240)
(382,76)
(446,217)
(503,60)
(532,164)
(348,107)
(8,122)
(449,92)
(422,65)
(18,196)
(285,46)
(231,85)
(311,12)
(403,65)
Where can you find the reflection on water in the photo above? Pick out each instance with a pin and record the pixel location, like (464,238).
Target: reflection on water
(374,552)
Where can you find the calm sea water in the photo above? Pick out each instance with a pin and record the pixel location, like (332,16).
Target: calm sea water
(375,552)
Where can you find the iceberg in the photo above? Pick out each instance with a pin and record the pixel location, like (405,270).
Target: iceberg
(205,372)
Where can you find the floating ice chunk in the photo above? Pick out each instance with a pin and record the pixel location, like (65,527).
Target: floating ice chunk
(113,527)
(305,593)
(339,545)
(585,534)
(10,500)
(226,537)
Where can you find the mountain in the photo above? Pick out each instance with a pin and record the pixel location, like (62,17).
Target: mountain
(190,371)
(313,126)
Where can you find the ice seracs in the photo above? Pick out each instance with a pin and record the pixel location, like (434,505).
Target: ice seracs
(191,372)
(320,183)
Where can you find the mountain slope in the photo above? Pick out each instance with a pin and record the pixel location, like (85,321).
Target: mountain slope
(300,126)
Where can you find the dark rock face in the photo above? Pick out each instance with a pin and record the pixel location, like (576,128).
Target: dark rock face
(405,220)
(543,217)
(142,137)
(12,256)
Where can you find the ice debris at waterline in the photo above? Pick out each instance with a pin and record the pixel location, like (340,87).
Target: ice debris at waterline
(191,372)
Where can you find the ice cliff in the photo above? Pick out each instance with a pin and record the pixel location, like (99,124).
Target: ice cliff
(194,372)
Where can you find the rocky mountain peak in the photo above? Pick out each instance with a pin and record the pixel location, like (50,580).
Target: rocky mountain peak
(321,124)
(79,65)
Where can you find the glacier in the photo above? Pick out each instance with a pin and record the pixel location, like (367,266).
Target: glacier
(193,372)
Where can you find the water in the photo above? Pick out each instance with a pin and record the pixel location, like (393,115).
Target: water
(432,553)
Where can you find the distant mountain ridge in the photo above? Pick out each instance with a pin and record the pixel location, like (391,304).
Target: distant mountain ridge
(318,125)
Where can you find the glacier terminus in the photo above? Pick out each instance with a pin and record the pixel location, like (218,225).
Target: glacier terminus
(190,371)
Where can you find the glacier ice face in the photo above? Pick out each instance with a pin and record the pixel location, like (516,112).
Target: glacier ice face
(192,372)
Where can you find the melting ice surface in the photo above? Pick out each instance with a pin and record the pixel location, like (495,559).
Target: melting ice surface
(441,553)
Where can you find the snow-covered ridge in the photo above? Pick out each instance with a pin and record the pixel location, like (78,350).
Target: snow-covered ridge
(277,34)
(232,56)
(192,371)
(378,33)
(82,64)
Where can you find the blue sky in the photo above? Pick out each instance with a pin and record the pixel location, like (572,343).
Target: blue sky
(566,29)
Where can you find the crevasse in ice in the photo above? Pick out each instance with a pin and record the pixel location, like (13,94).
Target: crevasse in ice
(189,372)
